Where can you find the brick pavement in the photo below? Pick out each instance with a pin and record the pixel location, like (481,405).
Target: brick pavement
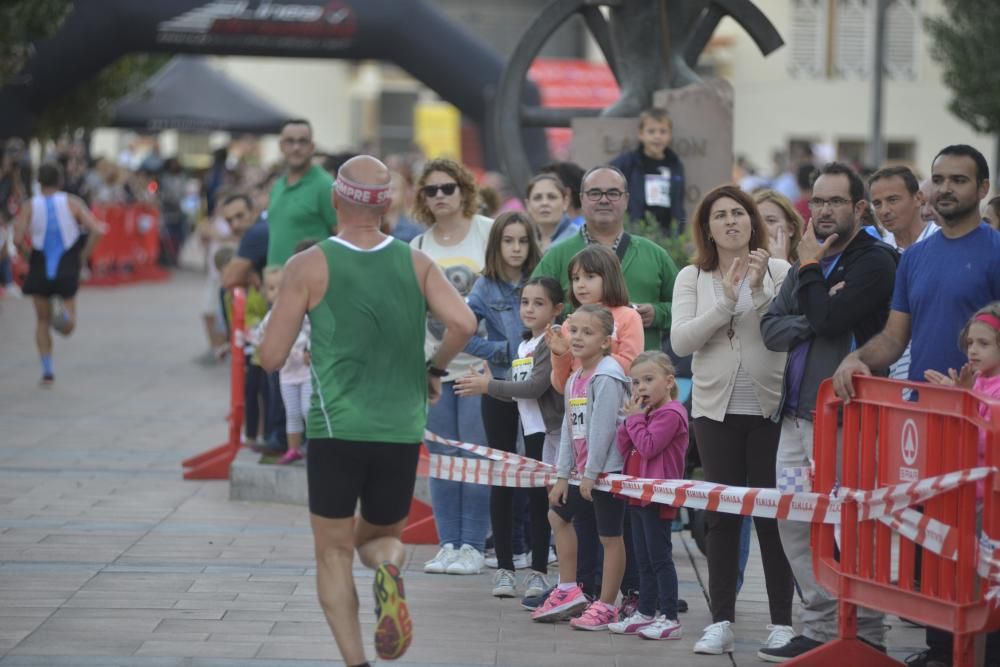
(107,557)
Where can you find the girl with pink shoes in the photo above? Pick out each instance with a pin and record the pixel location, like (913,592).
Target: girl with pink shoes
(595,394)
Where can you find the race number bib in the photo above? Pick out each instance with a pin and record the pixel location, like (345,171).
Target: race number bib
(578,412)
(658,189)
(521,369)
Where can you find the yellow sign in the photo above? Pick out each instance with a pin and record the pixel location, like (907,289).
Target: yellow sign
(437,127)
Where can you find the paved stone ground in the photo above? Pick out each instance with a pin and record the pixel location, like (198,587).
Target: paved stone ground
(107,557)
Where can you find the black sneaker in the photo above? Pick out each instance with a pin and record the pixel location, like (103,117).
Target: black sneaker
(533,602)
(927,658)
(797,646)
(48,379)
(682,606)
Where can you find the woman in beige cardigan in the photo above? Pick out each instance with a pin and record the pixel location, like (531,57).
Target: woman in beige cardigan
(717,305)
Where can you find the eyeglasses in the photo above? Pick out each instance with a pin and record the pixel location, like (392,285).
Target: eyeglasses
(595,195)
(292,141)
(448,189)
(817,204)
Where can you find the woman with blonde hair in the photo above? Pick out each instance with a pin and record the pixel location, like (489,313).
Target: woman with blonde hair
(784,224)
(456,239)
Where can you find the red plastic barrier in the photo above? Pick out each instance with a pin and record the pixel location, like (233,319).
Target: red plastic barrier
(420,526)
(129,250)
(214,463)
(888,439)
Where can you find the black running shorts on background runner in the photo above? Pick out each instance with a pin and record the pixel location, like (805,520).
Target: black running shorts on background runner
(67,280)
(380,474)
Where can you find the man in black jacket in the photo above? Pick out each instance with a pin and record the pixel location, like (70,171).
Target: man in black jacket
(833,300)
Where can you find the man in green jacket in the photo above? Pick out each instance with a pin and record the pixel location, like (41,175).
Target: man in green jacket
(649,271)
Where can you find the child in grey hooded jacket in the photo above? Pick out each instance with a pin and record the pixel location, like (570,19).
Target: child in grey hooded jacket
(595,395)
(607,390)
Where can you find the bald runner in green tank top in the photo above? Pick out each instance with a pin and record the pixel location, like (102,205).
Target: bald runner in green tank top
(373,304)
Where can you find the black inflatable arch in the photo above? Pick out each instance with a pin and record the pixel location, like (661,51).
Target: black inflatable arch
(410,33)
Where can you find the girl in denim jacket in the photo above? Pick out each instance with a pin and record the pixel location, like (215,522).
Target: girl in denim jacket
(511,255)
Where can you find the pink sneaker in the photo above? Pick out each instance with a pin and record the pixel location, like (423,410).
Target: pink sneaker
(291,456)
(631,625)
(597,617)
(663,628)
(560,605)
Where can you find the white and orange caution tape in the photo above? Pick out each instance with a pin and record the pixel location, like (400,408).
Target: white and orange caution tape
(890,505)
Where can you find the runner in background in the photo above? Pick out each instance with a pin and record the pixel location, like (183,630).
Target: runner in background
(59,251)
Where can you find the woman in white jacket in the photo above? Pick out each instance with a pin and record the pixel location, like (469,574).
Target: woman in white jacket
(717,304)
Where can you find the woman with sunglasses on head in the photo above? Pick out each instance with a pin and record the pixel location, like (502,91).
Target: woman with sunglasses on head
(456,239)
(718,302)
(547,201)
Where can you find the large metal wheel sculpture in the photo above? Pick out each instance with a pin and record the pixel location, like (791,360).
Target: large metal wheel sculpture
(673,33)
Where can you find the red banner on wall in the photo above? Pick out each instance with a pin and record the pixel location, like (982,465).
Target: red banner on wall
(565,82)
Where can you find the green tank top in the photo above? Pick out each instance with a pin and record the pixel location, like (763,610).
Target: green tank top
(367,344)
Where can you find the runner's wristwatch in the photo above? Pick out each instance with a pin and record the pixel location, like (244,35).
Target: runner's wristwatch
(435,371)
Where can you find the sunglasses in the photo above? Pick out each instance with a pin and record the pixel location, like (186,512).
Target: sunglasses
(448,189)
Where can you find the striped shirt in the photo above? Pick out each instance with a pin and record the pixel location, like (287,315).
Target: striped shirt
(743,400)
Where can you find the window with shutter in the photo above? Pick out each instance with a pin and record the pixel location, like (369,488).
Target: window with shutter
(903,28)
(854,37)
(808,39)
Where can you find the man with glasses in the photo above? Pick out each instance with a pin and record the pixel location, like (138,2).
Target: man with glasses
(300,206)
(649,271)
(834,298)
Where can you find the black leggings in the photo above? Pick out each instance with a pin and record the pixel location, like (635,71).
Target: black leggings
(741,451)
(500,419)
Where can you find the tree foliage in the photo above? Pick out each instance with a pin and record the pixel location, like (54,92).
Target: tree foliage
(965,42)
(90,103)
(23,22)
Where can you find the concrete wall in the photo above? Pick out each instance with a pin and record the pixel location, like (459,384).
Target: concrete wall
(304,87)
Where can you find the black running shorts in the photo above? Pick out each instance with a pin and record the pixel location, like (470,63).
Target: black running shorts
(67,278)
(379,474)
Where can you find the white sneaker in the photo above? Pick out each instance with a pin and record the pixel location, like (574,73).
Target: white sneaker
(553,558)
(780,635)
(439,564)
(504,585)
(718,639)
(663,628)
(468,561)
(631,625)
(534,584)
(520,561)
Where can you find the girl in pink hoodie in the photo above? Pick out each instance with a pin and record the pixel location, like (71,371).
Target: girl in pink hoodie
(653,439)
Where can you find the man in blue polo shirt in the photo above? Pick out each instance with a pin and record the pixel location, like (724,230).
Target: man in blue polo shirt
(940,283)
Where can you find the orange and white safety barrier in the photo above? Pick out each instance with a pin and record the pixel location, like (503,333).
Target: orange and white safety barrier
(890,505)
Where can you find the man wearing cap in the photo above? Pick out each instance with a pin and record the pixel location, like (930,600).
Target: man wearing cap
(367,296)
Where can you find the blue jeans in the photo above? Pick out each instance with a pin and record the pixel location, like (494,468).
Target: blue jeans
(276,412)
(744,550)
(461,509)
(653,553)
